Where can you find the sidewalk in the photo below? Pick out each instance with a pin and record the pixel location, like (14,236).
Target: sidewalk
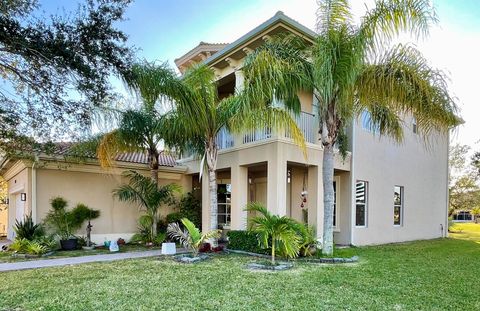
(43,263)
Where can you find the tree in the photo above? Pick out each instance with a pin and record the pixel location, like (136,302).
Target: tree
(464,190)
(198,115)
(57,69)
(350,69)
(145,192)
(139,130)
(475,213)
(276,232)
(191,237)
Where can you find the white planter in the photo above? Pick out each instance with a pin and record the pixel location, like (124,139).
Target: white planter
(169,249)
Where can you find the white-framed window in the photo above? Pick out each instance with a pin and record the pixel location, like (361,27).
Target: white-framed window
(398,205)
(224,194)
(361,203)
(336,203)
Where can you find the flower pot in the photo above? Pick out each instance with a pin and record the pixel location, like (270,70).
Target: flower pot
(68,245)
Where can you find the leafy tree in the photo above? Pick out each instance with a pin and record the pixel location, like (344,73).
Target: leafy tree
(351,69)
(57,68)
(276,232)
(191,237)
(464,189)
(149,196)
(475,213)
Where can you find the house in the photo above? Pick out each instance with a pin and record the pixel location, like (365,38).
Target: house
(32,184)
(384,192)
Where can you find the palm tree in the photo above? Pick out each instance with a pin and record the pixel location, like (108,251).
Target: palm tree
(198,115)
(280,233)
(350,69)
(190,237)
(145,192)
(139,130)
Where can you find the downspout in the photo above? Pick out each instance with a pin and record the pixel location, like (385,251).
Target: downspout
(447,203)
(352,184)
(34,190)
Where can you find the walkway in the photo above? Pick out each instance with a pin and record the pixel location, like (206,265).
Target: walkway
(43,263)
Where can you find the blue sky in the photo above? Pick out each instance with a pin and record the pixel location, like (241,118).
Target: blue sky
(164,30)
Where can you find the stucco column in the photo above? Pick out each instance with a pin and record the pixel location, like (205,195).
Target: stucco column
(277,186)
(315,199)
(239,78)
(239,180)
(205,204)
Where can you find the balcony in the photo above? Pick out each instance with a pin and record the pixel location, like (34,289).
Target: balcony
(305,121)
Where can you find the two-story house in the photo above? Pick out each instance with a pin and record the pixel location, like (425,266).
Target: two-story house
(384,191)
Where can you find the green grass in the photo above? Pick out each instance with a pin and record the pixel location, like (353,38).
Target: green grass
(425,275)
(465,231)
(7,256)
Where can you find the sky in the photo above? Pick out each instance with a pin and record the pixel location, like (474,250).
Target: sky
(164,30)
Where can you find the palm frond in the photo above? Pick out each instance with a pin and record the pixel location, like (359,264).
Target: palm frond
(390,17)
(403,80)
(176,233)
(332,14)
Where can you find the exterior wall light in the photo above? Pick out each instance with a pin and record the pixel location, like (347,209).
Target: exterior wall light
(23,196)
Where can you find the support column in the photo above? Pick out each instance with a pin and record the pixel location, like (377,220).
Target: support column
(239,181)
(205,204)
(315,199)
(277,187)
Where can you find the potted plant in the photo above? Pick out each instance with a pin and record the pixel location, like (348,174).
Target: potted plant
(65,223)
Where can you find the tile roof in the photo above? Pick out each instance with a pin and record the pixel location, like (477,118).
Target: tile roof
(64,148)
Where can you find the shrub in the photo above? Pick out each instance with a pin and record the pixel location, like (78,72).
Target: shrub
(188,207)
(26,229)
(38,247)
(174,217)
(65,223)
(244,241)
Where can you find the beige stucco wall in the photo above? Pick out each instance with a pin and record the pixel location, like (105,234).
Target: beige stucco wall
(117,219)
(423,173)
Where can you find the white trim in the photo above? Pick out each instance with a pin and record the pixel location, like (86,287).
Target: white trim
(367,203)
(14,170)
(352,185)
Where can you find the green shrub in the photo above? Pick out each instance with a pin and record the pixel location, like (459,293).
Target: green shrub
(188,207)
(244,241)
(36,247)
(26,229)
(65,223)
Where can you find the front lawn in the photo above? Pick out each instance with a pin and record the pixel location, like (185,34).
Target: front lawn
(426,275)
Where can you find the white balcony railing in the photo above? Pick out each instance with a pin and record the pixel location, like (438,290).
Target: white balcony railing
(305,121)
(224,139)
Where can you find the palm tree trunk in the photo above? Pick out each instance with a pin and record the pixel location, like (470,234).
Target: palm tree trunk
(273,252)
(328,199)
(212,188)
(154,175)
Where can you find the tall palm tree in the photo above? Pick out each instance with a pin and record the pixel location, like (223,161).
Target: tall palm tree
(350,69)
(147,194)
(198,115)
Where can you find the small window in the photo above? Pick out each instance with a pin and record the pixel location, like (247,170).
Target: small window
(414,126)
(398,206)
(361,202)
(335,211)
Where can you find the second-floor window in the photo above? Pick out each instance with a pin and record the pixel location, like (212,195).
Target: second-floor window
(361,202)
(398,206)
(367,123)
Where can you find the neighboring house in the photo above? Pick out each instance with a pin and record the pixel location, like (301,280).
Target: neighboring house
(385,192)
(31,186)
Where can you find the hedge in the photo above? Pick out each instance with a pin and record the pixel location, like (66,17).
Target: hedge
(244,241)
